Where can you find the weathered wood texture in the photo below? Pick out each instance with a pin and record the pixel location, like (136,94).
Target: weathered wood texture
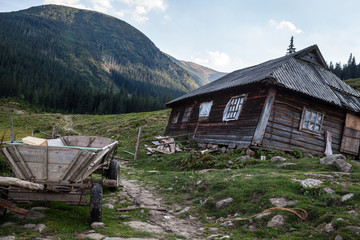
(351,139)
(282,131)
(214,129)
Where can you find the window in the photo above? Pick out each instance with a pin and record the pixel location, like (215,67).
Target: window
(187,114)
(311,120)
(204,110)
(175,118)
(233,108)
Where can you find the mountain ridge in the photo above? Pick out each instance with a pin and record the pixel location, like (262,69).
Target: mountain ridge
(52,47)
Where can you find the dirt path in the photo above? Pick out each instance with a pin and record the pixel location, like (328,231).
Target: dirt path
(69,124)
(160,222)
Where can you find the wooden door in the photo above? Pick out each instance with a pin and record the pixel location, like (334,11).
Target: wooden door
(351,135)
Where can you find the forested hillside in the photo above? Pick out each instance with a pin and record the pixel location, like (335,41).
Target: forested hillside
(65,59)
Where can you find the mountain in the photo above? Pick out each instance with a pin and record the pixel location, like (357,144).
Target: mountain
(58,57)
(202,75)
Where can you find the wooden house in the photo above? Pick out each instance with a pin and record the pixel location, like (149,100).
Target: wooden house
(290,102)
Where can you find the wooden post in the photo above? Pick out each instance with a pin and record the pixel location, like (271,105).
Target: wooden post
(138,144)
(53,132)
(12,137)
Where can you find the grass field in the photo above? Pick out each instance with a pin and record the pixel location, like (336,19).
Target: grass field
(177,178)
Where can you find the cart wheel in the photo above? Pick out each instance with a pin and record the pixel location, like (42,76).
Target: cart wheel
(95,203)
(114,174)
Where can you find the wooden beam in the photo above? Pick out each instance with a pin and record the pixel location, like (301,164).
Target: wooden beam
(23,163)
(264,117)
(13,164)
(12,137)
(138,144)
(11,181)
(8,205)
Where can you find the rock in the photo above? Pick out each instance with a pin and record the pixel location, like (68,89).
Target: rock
(186,209)
(7,238)
(224,203)
(329,228)
(339,161)
(223,150)
(212,146)
(120,238)
(143,226)
(95,236)
(357,163)
(338,237)
(123,217)
(282,202)
(346,197)
(252,228)
(355,229)
(244,158)
(322,176)
(40,227)
(353,212)
(95,225)
(35,214)
(199,182)
(204,171)
(277,159)
(8,224)
(276,221)
(108,205)
(284,165)
(329,160)
(227,224)
(250,152)
(343,166)
(29,225)
(310,183)
(328,190)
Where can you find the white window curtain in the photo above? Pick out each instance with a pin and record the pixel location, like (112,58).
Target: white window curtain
(205,108)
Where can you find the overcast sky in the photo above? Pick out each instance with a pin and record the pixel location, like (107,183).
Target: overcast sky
(227,35)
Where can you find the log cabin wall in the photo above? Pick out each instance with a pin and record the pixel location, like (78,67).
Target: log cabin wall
(282,131)
(214,129)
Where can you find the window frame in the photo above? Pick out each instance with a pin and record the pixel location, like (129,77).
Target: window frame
(187,114)
(175,117)
(238,105)
(204,117)
(303,121)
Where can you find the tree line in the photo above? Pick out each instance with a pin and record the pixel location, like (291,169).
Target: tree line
(347,70)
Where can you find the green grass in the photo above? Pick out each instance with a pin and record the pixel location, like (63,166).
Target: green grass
(178,180)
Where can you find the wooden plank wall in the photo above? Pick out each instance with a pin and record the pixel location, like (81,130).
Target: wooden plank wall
(283,132)
(214,130)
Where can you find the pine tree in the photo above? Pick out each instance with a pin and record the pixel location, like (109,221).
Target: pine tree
(291,48)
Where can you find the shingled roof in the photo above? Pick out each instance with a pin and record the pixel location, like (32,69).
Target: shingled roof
(304,71)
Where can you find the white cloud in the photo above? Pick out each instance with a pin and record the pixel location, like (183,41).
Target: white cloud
(285,25)
(101,5)
(219,59)
(215,59)
(70,3)
(141,8)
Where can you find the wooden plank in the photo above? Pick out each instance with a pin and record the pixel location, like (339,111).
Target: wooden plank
(8,205)
(137,147)
(328,149)
(23,163)
(12,136)
(34,141)
(13,164)
(264,118)
(350,145)
(71,165)
(76,169)
(24,195)
(352,121)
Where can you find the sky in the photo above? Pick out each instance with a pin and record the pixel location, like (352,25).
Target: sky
(228,35)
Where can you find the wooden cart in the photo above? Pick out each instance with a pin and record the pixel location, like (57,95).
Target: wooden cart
(63,166)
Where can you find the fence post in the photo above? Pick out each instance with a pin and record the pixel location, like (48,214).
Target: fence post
(12,137)
(138,144)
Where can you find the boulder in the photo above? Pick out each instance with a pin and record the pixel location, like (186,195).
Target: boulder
(282,202)
(277,159)
(310,183)
(40,227)
(338,237)
(108,205)
(285,165)
(244,158)
(97,225)
(276,221)
(328,190)
(329,228)
(346,197)
(224,203)
(337,160)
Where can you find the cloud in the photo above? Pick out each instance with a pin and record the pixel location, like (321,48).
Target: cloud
(70,3)
(101,5)
(141,8)
(214,59)
(285,25)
